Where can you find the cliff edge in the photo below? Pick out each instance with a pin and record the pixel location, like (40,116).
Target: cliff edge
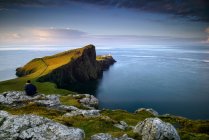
(78,65)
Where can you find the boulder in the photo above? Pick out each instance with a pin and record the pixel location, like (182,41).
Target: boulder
(106,136)
(89,101)
(15,97)
(102,136)
(122,125)
(150,110)
(156,129)
(36,128)
(125,137)
(49,101)
(85,113)
(66,108)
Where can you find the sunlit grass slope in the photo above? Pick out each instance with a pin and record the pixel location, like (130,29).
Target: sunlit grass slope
(39,67)
(42,66)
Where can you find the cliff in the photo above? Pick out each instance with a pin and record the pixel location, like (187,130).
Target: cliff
(78,65)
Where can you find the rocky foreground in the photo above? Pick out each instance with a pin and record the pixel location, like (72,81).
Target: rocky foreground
(34,127)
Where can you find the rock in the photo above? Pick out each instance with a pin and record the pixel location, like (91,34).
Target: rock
(37,128)
(49,101)
(150,110)
(89,101)
(156,129)
(122,125)
(106,136)
(4,114)
(102,136)
(66,108)
(15,97)
(125,137)
(19,98)
(85,113)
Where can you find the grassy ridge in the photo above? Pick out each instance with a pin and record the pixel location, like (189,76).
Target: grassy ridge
(39,67)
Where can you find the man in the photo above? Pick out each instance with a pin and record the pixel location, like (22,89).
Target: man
(30,89)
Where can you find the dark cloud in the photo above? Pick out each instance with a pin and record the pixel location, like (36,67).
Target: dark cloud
(196,10)
(192,9)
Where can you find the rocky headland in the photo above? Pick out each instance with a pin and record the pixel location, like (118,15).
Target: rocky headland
(74,66)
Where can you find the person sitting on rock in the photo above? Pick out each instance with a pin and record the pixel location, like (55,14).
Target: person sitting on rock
(30,89)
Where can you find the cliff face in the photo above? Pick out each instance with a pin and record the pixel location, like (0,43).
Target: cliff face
(82,66)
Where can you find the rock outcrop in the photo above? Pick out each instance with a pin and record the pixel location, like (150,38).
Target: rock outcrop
(106,136)
(121,125)
(150,110)
(156,129)
(85,113)
(22,127)
(19,99)
(89,101)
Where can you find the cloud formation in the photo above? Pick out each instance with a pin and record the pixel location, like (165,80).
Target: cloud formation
(196,10)
(65,36)
(60,33)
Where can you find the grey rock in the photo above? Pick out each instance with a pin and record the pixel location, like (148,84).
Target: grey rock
(156,129)
(86,113)
(12,97)
(67,108)
(102,136)
(49,101)
(4,114)
(89,101)
(37,128)
(125,137)
(150,110)
(106,136)
(122,125)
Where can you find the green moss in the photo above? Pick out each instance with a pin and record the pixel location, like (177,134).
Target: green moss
(33,109)
(122,115)
(193,136)
(69,100)
(45,88)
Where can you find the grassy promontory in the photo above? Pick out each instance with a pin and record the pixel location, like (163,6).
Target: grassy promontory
(187,129)
(77,65)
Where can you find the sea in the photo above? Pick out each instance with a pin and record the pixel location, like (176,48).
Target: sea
(170,79)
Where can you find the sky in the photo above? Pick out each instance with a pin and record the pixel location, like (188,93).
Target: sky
(103,22)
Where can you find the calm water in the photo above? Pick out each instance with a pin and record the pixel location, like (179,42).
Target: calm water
(172,80)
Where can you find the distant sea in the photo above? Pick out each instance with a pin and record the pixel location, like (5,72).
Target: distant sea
(172,80)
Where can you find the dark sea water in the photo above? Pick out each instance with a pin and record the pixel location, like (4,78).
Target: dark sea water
(172,80)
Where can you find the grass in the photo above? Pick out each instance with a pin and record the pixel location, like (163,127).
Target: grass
(45,88)
(68,100)
(102,57)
